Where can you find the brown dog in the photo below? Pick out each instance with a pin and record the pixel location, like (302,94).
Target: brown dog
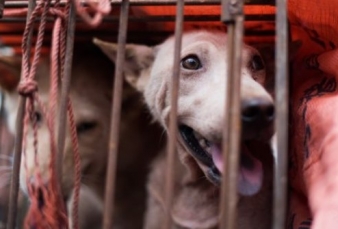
(200,119)
(91,90)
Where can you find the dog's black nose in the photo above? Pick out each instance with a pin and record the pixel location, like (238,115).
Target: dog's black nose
(257,112)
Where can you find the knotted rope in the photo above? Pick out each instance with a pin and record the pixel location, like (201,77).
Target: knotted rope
(27,88)
(47,209)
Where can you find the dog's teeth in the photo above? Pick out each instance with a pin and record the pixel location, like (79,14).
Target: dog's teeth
(204,143)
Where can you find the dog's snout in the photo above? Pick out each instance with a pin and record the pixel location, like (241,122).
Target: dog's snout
(257,111)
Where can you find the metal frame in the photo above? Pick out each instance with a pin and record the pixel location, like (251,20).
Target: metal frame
(282,115)
(23,3)
(14,188)
(115,119)
(233,17)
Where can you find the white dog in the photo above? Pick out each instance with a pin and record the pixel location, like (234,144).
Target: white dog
(200,120)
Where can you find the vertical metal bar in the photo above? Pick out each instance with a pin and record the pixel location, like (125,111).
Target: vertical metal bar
(14,188)
(2,6)
(2,124)
(61,131)
(171,153)
(232,15)
(115,119)
(282,99)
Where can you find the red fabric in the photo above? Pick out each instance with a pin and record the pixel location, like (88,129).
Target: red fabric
(314,139)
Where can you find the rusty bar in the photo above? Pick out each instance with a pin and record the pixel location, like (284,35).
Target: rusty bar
(115,119)
(190,2)
(232,15)
(9,4)
(2,124)
(152,18)
(282,101)
(171,151)
(65,87)
(14,187)
(2,5)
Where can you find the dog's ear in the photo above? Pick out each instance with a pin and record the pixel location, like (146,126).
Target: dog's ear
(138,60)
(10,68)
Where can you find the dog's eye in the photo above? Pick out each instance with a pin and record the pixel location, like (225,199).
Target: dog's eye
(85,126)
(191,62)
(257,63)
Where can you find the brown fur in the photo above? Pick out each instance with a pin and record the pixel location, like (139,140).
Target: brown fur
(91,90)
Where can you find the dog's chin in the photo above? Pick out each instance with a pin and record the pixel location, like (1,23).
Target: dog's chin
(250,174)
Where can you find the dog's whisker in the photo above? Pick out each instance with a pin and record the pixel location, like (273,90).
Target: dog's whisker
(202,177)
(162,135)
(194,119)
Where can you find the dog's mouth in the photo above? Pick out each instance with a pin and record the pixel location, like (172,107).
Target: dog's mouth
(209,153)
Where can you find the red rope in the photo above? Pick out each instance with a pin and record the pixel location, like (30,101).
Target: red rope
(51,213)
(77,165)
(101,8)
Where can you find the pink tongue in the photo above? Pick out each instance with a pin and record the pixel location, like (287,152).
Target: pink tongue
(250,176)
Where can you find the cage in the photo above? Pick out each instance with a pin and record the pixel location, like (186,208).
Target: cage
(61,30)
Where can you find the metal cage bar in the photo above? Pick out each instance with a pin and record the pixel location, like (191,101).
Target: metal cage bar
(65,88)
(282,98)
(14,187)
(115,119)
(23,3)
(232,15)
(2,122)
(148,18)
(2,5)
(171,153)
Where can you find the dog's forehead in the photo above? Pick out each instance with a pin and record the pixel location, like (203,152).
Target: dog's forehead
(91,82)
(188,38)
(217,38)
(196,38)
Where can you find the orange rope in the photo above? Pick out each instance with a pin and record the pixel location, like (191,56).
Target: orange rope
(51,213)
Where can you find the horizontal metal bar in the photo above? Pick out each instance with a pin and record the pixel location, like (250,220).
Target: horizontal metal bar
(149,18)
(140,34)
(14,4)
